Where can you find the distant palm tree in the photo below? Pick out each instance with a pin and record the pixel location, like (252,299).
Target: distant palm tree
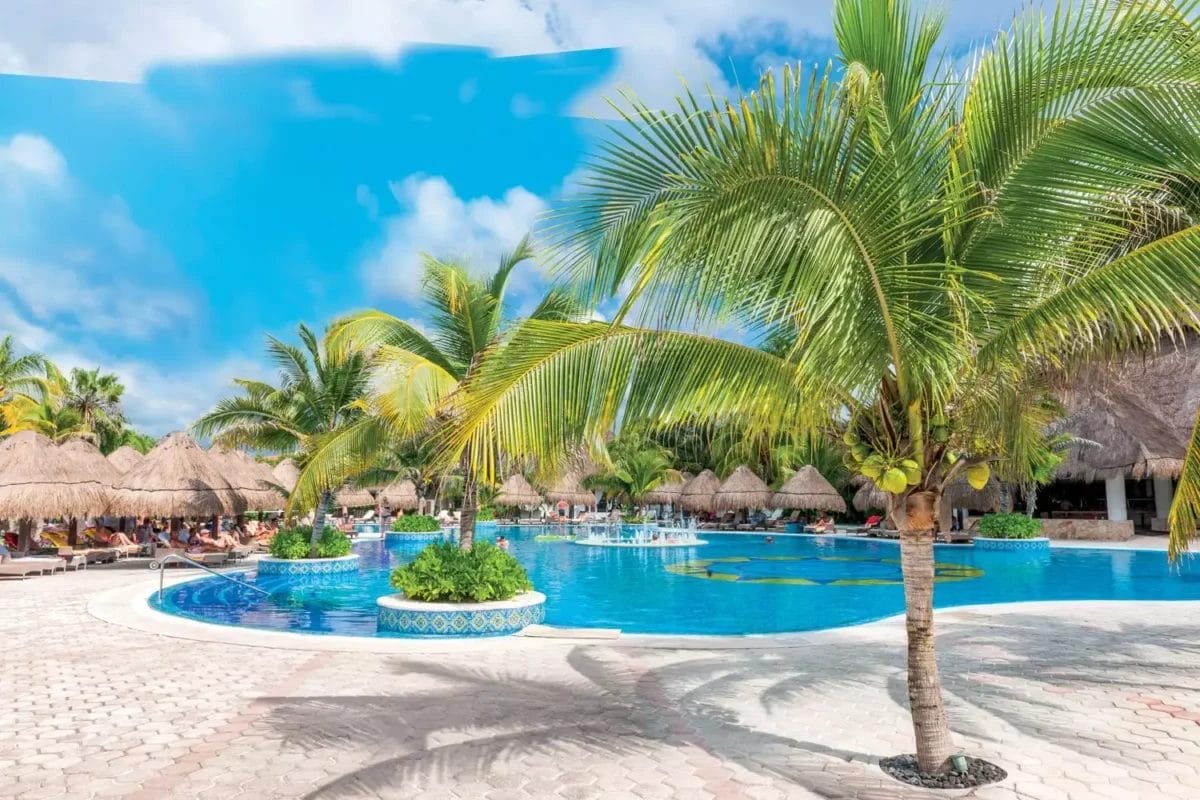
(41,408)
(418,372)
(637,468)
(142,442)
(96,398)
(319,394)
(17,373)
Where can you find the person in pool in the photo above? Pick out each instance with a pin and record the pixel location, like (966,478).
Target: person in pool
(502,542)
(769,540)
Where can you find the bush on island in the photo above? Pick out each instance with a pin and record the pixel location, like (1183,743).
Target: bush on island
(485,514)
(444,573)
(293,543)
(1009,526)
(415,523)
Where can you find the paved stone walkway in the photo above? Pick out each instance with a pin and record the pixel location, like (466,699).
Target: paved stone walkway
(1080,701)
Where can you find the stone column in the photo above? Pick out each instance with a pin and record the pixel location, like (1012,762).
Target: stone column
(1114,491)
(1163,494)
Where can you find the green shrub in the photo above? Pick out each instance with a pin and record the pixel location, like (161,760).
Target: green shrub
(444,573)
(293,543)
(1009,526)
(415,523)
(485,514)
(635,519)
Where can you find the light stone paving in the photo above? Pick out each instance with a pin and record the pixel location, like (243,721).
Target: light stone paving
(1079,701)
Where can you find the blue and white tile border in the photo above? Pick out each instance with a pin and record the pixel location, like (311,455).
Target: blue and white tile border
(269,565)
(423,536)
(1040,544)
(398,614)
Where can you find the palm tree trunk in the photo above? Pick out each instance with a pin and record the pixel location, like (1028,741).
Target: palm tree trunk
(932,730)
(319,521)
(1006,499)
(466,522)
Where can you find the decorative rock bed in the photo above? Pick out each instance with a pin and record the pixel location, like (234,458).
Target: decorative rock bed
(1038,544)
(977,773)
(269,565)
(398,614)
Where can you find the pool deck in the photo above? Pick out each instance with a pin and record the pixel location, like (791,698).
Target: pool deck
(1076,700)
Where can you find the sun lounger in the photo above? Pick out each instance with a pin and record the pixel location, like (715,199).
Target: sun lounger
(24,567)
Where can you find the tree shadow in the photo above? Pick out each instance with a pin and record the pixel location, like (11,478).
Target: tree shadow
(458,722)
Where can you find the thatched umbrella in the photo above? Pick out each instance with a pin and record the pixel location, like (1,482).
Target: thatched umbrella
(1134,417)
(960,494)
(742,489)
(400,495)
(516,491)
(669,492)
(177,479)
(39,479)
(568,490)
(697,494)
(808,490)
(244,478)
(870,497)
(286,474)
(264,475)
(356,497)
(125,458)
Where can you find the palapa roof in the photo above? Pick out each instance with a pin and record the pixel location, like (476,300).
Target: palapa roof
(870,497)
(286,474)
(401,495)
(742,489)
(38,479)
(516,491)
(697,494)
(357,497)
(807,489)
(177,479)
(960,494)
(1135,416)
(669,491)
(568,490)
(260,494)
(125,458)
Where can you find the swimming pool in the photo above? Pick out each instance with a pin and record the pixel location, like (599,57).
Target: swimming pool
(735,584)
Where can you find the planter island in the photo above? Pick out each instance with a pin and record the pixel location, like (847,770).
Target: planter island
(398,614)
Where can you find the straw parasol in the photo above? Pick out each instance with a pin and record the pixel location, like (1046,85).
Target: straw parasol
(400,495)
(244,478)
(125,458)
(38,479)
(568,490)
(808,490)
(869,497)
(668,492)
(697,494)
(960,494)
(177,479)
(263,474)
(516,491)
(286,474)
(357,497)
(742,489)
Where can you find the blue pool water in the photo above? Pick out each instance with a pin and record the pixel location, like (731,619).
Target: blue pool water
(735,584)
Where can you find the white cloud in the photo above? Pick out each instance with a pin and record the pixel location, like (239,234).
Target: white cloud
(437,221)
(29,162)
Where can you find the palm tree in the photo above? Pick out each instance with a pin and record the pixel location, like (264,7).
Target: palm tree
(319,393)
(41,407)
(17,373)
(418,372)
(923,241)
(96,398)
(638,467)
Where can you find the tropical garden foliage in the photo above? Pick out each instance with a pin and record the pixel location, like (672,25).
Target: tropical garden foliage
(443,573)
(918,247)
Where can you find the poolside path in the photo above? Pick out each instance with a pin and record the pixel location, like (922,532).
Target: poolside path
(1081,701)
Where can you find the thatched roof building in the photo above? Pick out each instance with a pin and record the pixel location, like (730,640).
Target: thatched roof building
(516,491)
(357,497)
(400,495)
(697,494)
(286,474)
(568,490)
(125,458)
(869,497)
(960,494)
(38,479)
(742,489)
(808,490)
(669,491)
(1138,413)
(177,479)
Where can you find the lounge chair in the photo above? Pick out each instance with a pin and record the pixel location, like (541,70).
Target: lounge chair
(24,567)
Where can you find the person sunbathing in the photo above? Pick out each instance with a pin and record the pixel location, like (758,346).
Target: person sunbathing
(114,538)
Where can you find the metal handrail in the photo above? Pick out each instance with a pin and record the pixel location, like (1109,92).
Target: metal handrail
(162,574)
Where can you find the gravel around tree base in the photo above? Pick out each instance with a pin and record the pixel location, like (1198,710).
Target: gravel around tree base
(979,772)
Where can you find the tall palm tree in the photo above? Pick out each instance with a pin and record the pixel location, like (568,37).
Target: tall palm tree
(17,373)
(96,398)
(924,242)
(319,393)
(418,371)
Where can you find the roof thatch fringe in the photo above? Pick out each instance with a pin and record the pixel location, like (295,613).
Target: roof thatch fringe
(177,479)
(516,491)
(808,490)
(697,494)
(742,489)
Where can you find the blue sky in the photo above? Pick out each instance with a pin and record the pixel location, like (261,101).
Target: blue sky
(176,182)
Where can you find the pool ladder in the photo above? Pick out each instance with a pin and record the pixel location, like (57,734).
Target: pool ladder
(162,574)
